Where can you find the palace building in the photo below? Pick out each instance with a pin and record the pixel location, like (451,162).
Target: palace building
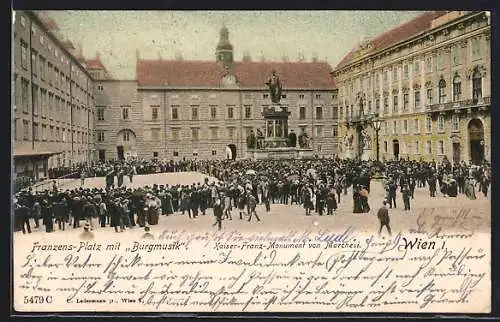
(425,85)
(206,109)
(52,99)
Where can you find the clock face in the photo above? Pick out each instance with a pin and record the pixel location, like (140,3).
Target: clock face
(229,80)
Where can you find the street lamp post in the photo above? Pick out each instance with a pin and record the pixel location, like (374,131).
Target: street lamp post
(376,127)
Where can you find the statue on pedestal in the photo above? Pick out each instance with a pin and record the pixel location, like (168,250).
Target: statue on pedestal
(251,140)
(274,85)
(260,139)
(292,139)
(303,140)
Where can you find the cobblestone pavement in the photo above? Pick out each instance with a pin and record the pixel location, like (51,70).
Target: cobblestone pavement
(292,217)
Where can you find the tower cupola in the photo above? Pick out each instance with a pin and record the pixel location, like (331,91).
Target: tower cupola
(224,52)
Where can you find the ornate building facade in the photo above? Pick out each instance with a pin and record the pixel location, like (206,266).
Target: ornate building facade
(206,109)
(428,83)
(52,99)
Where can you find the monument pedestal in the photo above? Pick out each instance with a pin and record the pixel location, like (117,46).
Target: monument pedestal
(279,153)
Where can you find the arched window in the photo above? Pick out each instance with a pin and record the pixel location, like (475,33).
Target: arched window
(476,86)
(442,91)
(457,88)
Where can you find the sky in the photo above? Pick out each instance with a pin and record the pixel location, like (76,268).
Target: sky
(117,35)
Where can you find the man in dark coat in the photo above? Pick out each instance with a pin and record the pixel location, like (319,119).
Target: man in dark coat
(22,212)
(120,178)
(218,213)
(383,217)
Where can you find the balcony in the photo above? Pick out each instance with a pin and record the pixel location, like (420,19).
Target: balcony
(482,103)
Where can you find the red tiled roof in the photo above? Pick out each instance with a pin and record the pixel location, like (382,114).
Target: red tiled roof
(184,73)
(95,63)
(48,21)
(398,34)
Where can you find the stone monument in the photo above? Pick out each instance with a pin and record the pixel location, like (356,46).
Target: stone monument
(276,141)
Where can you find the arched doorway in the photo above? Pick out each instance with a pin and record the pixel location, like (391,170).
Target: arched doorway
(126,144)
(395,149)
(231,152)
(476,140)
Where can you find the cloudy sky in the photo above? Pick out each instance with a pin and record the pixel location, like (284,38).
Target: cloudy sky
(194,34)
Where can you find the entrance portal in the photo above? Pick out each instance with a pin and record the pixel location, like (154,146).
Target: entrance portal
(231,152)
(476,139)
(102,155)
(456,152)
(395,149)
(119,152)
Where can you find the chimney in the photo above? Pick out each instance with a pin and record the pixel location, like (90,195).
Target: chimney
(246,56)
(314,58)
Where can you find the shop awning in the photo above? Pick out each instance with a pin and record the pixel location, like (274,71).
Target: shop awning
(26,153)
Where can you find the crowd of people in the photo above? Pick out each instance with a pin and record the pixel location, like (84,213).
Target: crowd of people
(318,186)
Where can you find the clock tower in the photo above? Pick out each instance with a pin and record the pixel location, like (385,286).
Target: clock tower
(224,52)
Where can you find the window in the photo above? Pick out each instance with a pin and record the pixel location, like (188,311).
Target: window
(417,147)
(248,111)
(429,96)
(386,105)
(416,100)
(230,132)
(377,105)
(405,126)
(175,112)
(51,137)
(213,112)
(125,113)
(406,71)
(416,126)
(335,112)
(442,91)
(126,136)
(394,74)
(386,76)
(56,78)
(41,67)
(265,96)
(195,133)
(395,103)
(475,48)
(100,88)
(335,131)
(50,75)
(440,147)
(440,61)
(319,131)
(26,130)
(457,90)
(154,112)
(385,128)
(428,147)
(455,55)
(476,87)
(319,112)
(24,55)
(416,67)
(377,80)
(155,154)
(302,112)
(214,133)
(35,94)
(385,147)
(176,153)
(440,122)
(428,64)
(301,96)
(214,153)
(23,21)
(34,66)
(100,136)
(230,112)
(318,96)
(455,123)
(283,96)
(43,102)
(369,107)
(155,134)
(394,127)
(406,100)
(175,134)
(194,112)
(100,113)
